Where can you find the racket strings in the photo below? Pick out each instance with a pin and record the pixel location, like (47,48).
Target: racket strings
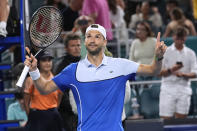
(45,27)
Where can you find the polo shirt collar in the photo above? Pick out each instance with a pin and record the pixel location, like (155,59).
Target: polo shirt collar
(174,48)
(88,64)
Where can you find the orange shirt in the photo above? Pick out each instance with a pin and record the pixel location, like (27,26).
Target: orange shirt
(41,102)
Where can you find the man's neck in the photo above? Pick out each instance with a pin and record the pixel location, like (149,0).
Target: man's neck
(179,47)
(95,59)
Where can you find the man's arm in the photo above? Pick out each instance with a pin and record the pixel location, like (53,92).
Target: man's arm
(155,67)
(152,69)
(44,87)
(170,71)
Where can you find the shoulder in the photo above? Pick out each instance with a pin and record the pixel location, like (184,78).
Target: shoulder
(135,41)
(152,39)
(189,50)
(169,51)
(135,16)
(170,48)
(172,23)
(120,62)
(13,105)
(70,67)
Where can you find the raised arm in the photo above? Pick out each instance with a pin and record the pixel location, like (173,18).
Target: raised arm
(44,87)
(155,67)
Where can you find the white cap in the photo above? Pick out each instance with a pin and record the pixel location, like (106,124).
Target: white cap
(98,28)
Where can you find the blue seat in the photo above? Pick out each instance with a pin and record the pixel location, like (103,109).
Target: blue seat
(193,107)
(149,102)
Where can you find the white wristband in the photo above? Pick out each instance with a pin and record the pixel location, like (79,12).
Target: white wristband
(35,74)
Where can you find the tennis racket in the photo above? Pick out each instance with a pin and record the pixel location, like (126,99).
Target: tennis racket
(44,28)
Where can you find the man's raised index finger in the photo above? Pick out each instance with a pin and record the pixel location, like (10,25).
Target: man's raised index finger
(158,37)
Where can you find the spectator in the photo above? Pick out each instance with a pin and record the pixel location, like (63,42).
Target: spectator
(153,18)
(4,13)
(121,3)
(56,3)
(170,5)
(80,25)
(117,19)
(142,48)
(99,11)
(142,51)
(130,9)
(179,65)
(97,82)
(42,109)
(67,109)
(178,18)
(71,13)
(16,110)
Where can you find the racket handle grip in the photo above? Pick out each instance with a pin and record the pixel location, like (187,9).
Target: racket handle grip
(22,76)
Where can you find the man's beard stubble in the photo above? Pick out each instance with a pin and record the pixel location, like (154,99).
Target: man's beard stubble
(95,52)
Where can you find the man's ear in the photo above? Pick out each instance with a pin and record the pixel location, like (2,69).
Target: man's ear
(105,42)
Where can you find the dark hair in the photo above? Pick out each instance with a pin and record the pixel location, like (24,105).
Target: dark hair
(172,2)
(69,37)
(42,56)
(147,27)
(49,2)
(112,6)
(19,95)
(177,13)
(180,31)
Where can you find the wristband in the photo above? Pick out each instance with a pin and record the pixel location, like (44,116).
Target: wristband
(158,59)
(35,74)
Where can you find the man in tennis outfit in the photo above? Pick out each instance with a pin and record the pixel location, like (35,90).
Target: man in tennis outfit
(97,82)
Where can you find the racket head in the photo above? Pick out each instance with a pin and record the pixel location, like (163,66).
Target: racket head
(45,26)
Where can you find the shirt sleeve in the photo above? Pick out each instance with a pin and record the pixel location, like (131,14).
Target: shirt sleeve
(63,79)
(193,63)
(128,66)
(10,113)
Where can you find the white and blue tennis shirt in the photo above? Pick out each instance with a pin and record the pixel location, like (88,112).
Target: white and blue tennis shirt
(99,91)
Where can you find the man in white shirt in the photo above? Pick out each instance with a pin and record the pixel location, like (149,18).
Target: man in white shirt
(179,64)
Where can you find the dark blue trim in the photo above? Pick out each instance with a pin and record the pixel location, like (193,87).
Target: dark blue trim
(9,40)
(5,67)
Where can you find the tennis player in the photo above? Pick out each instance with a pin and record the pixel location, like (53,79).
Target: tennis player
(97,82)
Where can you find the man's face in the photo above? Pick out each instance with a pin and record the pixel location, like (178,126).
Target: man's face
(94,42)
(179,40)
(74,48)
(170,6)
